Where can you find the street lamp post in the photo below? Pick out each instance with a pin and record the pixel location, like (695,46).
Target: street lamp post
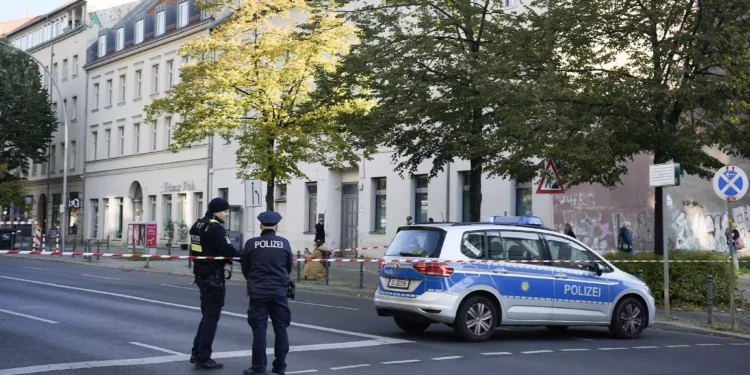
(63,230)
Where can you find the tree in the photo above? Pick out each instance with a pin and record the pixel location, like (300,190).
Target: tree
(257,88)
(26,121)
(665,77)
(446,80)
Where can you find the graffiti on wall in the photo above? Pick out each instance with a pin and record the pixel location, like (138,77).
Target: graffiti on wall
(694,228)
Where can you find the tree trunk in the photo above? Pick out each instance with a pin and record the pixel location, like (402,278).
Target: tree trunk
(658,211)
(475,190)
(271,183)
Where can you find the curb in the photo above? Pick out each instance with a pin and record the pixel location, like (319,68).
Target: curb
(690,328)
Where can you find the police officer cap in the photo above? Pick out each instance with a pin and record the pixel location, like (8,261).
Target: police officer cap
(218,205)
(269,218)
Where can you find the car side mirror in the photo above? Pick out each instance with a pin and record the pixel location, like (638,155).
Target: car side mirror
(598,268)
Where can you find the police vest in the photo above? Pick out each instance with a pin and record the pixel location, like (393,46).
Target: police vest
(200,245)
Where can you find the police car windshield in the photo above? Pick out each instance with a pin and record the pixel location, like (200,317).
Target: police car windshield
(417,242)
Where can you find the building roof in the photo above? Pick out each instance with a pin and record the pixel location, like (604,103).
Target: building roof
(43,17)
(8,26)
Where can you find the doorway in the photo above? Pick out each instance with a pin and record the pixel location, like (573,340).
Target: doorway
(349,215)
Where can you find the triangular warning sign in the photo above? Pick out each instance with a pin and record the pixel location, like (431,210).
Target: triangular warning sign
(550,185)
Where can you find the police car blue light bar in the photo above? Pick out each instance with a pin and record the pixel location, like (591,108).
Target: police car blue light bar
(516,220)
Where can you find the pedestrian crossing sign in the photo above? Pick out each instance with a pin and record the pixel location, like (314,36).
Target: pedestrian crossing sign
(550,183)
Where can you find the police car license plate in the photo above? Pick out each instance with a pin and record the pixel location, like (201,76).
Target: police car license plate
(398,283)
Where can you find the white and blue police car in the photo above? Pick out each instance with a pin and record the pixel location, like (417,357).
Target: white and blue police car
(508,271)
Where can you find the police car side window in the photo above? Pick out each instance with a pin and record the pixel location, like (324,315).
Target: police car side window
(495,245)
(472,245)
(522,245)
(573,255)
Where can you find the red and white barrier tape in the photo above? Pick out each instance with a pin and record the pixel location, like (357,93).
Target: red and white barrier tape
(347,249)
(402,260)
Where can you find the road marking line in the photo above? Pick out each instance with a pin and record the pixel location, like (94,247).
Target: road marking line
(318,304)
(708,344)
(348,367)
(741,344)
(28,316)
(537,351)
(677,346)
(613,348)
(181,357)
(574,350)
(581,338)
(397,362)
(447,358)
(100,277)
(157,348)
(498,353)
(381,339)
(181,287)
(35,268)
(645,347)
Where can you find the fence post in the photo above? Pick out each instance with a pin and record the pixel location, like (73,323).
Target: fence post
(361,275)
(107,243)
(299,265)
(97,249)
(327,272)
(640,275)
(710,299)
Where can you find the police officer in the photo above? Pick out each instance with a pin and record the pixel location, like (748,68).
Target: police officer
(208,238)
(266,264)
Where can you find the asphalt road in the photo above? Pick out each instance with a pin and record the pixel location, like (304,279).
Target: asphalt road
(69,319)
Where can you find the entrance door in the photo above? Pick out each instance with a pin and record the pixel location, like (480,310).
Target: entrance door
(349,215)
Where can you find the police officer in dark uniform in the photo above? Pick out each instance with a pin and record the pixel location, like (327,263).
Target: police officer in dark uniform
(208,238)
(267,264)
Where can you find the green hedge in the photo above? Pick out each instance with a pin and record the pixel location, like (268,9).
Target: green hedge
(687,281)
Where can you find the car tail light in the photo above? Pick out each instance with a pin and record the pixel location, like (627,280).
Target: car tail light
(434,269)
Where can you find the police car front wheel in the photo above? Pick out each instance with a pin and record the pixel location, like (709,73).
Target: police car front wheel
(476,319)
(628,319)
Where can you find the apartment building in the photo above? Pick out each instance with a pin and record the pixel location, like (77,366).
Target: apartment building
(59,40)
(130,175)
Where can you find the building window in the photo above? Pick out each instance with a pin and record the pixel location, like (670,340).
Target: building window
(34,168)
(181,205)
(380,203)
(120,214)
(121,133)
(72,155)
(94,218)
(139,32)
(56,202)
(106,216)
(65,106)
(420,200)
(170,73)
(62,157)
(46,76)
(65,69)
(168,127)
(52,154)
(510,3)
(523,199)
(94,141)
(183,14)
(109,92)
(161,22)
(55,74)
(282,192)
(44,167)
(138,83)
(312,205)
(74,113)
(108,139)
(120,39)
(465,179)
(167,210)
(155,79)
(152,200)
(54,109)
(75,66)
(122,88)
(102,45)
(96,96)
(137,137)
(198,206)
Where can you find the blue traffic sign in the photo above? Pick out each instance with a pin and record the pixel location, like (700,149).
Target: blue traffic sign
(730,183)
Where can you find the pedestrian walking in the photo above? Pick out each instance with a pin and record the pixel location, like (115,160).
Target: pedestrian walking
(625,238)
(320,232)
(267,264)
(569,230)
(209,238)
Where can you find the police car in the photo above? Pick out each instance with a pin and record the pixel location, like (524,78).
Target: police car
(507,271)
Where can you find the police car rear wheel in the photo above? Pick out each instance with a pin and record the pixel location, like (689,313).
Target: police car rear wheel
(628,320)
(476,319)
(411,326)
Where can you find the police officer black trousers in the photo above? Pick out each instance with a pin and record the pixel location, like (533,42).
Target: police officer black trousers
(211,305)
(281,317)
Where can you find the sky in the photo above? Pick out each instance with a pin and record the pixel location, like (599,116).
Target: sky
(13,9)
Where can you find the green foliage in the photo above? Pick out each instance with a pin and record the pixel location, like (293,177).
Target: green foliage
(169,229)
(687,281)
(26,120)
(182,230)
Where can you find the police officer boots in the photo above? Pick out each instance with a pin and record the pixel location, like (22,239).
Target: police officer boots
(209,365)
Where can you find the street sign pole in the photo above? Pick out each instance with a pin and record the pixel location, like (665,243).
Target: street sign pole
(666,252)
(730,239)
(664,175)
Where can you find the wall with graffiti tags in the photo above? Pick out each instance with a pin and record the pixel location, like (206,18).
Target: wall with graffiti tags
(696,219)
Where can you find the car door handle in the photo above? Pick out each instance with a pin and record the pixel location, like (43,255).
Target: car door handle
(561,276)
(500,270)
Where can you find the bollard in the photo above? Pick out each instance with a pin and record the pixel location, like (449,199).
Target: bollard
(710,299)
(44,242)
(97,249)
(107,243)
(361,275)
(640,275)
(327,273)
(169,249)
(299,266)
(147,262)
